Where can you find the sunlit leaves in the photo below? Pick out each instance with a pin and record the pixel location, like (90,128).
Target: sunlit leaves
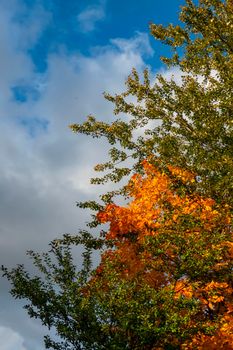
(172,243)
(186,121)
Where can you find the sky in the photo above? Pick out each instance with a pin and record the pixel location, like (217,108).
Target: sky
(57,59)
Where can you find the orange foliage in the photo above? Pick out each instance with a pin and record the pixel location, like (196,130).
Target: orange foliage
(221,340)
(158,208)
(153,197)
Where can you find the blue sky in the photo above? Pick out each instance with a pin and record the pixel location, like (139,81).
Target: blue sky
(57,58)
(78,26)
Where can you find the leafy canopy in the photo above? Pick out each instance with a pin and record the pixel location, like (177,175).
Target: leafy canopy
(167,282)
(164,280)
(165,276)
(188,124)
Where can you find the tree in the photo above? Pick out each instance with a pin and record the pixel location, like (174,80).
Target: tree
(167,284)
(164,281)
(195,116)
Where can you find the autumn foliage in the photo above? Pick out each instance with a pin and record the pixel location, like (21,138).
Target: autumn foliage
(175,246)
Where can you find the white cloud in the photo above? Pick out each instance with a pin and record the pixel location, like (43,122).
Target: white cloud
(11,340)
(42,177)
(88,18)
(140,43)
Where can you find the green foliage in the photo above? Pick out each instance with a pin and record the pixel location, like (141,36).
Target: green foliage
(195,115)
(56,296)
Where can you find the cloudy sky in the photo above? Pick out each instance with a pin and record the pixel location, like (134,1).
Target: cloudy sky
(57,58)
